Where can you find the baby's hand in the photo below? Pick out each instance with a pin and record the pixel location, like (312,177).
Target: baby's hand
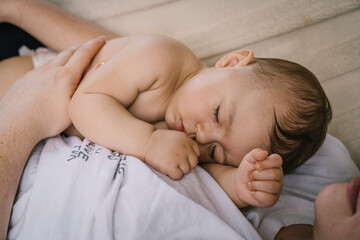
(259,179)
(172,153)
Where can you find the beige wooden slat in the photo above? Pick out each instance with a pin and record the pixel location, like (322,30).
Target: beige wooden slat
(353,145)
(95,10)
(346,127)
(209,27)
(344,92)
(328,48)
(344,95)
(336,60)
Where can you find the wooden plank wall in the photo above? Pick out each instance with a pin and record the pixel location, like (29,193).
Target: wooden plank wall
(322,35)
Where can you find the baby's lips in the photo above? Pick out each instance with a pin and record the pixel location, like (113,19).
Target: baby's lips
(179,125)
(353,192)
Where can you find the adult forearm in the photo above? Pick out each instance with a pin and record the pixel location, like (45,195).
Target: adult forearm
(50,24)
(17,139)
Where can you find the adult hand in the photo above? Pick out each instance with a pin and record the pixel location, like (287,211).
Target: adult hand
(41,98)
(36,107)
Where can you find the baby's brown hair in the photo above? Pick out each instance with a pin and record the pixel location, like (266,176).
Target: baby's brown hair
(300,130)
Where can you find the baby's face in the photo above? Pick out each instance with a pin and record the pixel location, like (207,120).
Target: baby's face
(226,113)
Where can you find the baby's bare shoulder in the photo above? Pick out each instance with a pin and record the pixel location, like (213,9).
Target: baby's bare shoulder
(158,55)
(160,42)
(162,50)
(140,63)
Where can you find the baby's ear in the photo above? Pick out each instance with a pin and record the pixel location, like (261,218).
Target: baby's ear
(233,59)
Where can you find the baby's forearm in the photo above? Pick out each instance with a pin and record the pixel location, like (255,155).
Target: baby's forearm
(104,120)
(224,175)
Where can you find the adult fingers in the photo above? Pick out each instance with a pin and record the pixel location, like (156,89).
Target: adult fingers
(82,57)
(63,57)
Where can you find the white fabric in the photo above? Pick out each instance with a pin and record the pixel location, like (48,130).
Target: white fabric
(73,189)
(69,191)
(40,56)
(331,164)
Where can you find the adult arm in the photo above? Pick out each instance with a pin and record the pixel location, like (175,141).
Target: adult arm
(50,24)
(36,107)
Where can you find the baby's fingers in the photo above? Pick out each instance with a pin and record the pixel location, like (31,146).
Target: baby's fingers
(191,162)
(272,174)
(193,159)
(272,161)
(264,199)
(185,167)
(195,148)
(255,155)
(270,187)
(175,173)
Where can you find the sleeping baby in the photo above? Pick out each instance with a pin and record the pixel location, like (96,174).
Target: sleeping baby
(245,120)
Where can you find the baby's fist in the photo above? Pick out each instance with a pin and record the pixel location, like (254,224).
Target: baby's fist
(264,177)
(266,181)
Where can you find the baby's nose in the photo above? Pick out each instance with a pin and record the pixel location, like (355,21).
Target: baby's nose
(203,133)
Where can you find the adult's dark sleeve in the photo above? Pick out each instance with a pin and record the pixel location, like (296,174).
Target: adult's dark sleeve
(12,38)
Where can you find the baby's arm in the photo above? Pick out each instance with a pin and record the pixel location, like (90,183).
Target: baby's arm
(257,181)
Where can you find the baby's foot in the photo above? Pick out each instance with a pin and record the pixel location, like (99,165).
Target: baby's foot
(259,178)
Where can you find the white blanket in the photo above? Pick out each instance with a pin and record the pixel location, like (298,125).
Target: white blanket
(73,189)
